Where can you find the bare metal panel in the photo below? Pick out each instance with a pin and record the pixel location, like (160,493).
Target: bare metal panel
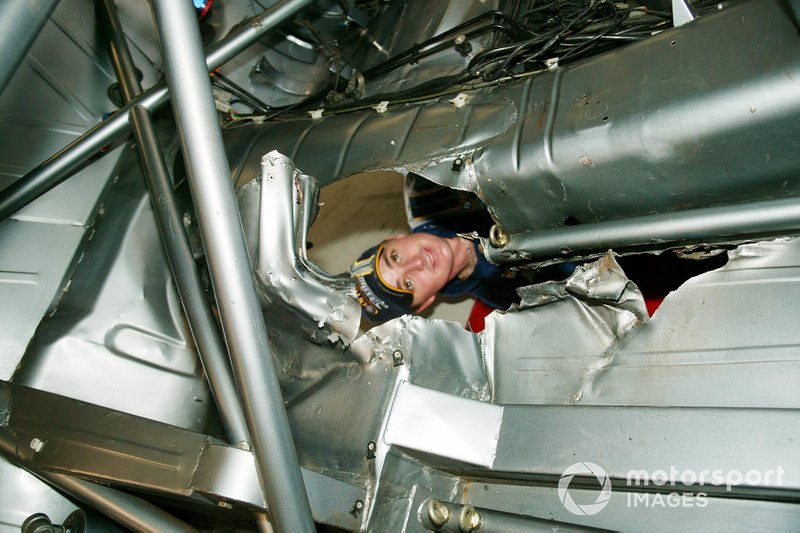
(29,281)
(701,115)
(732,325)
(281,203)
(735,325)
(127,451)
(119,333)
(51,99)
(650,128)
(22,494)
(57,93)
(425,377)
(622,514)
(75,201)
(443,424)
(543,350)
(427,19)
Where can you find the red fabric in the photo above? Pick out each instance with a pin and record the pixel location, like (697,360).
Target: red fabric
(653,303)
(476,321)
(477,316)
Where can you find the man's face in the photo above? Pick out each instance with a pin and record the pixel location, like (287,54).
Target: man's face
(420,262)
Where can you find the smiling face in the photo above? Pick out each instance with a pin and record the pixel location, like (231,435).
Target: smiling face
(420,262)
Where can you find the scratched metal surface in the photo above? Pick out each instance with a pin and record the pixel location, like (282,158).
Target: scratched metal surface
(650,128)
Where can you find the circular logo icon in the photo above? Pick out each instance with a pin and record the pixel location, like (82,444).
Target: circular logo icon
(584,469)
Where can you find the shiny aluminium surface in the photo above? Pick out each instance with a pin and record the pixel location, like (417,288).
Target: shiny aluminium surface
(364,384)
(119,332)
(49,101)
(575,374)
(730,325)
(57,168)
(407,485)
(169,219)
(19,27)
(125,451)
(196,305)
(276,210)
(438,389)
(124,508)
(691,117)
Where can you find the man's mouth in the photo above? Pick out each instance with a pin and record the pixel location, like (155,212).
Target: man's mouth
(431,258)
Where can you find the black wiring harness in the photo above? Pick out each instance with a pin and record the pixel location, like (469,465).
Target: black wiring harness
(527,36)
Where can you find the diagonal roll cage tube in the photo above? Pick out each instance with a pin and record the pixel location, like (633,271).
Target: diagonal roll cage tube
(62,164)
(202,323)
(20,24)
(243,324)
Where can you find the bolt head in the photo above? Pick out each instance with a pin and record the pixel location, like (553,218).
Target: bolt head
(438,514)
(497,237)
(469,519)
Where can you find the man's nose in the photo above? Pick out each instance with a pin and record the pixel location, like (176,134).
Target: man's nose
(417,262)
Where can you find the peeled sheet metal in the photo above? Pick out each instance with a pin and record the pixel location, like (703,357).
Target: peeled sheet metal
(543,350)
(455,367)
(276,210)
(728,337)
(731,325)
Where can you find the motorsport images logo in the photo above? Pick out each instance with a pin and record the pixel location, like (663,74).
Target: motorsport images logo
(584,469)
(676,481)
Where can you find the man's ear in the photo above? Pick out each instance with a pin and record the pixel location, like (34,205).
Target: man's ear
(426,303)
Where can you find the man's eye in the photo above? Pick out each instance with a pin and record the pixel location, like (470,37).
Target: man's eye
(395,257)
(408,285)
